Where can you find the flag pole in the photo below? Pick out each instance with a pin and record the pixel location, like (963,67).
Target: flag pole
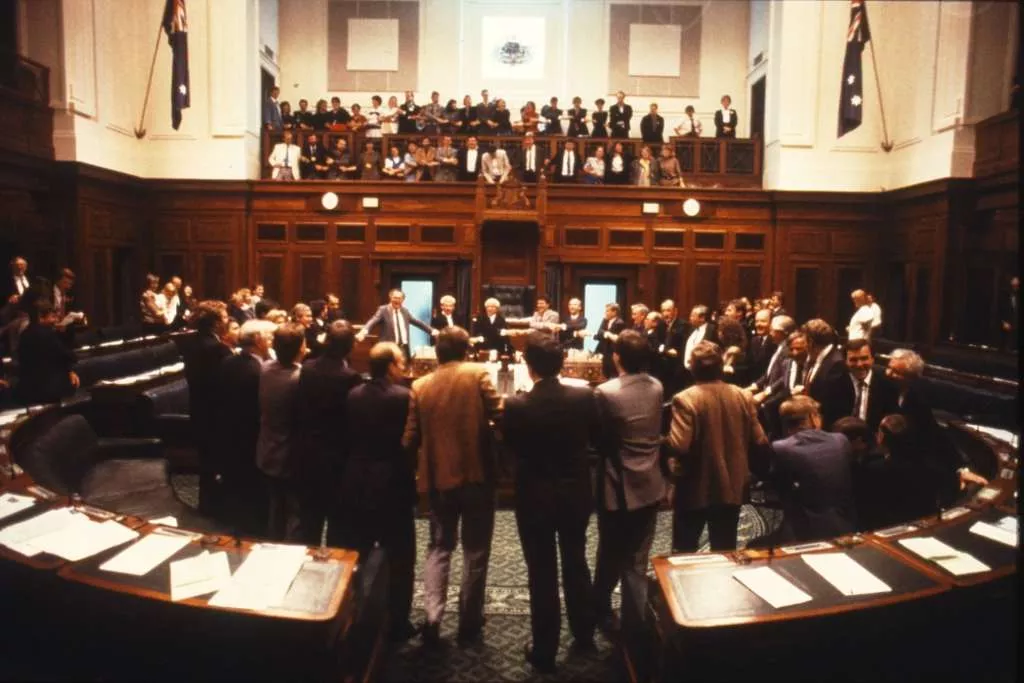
(886,142)
(140,132)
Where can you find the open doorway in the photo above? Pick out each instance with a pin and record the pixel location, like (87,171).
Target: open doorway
(596,294)
(757,95)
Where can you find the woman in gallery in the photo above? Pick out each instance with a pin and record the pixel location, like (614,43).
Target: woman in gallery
(593,169)
(669,173)
(553,117)
(617,169)
(465,121)
(530,118)
(287,120)
(577,119)
(391,116)
(645,168)
(502,117)
(449,117)
(599,118)
(394,164)
(374,119)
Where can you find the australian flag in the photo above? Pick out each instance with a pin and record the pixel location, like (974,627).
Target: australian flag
(851,94)
(176,27)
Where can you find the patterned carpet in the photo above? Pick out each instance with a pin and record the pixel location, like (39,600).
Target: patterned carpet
(500,656)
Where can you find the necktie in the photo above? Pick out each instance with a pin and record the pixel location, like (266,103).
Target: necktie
(399,337)
(858,401)
(693,127)
(529,160)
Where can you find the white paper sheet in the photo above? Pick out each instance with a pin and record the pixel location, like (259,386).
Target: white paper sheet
(13,503)
(144,556)
(205,573)
(84,538)
(949,558)
(263,578)
(169,520)
(995,533)
(1008,524)
(846,574)
(771,587)
(18,536)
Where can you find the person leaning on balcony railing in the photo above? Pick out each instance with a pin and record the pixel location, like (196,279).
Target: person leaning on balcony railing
(669,173)
(690,126)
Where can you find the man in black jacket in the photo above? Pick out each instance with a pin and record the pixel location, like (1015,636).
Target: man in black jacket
(825,360)
(241,486)
(620,116)
(321,402)
(487,329)
(863,391)
(549,430)
(203,353)
(652,127)
(45,363)
(377,495)
(606,335)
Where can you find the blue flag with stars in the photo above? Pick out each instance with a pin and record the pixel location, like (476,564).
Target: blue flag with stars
(176,26)
(851,94)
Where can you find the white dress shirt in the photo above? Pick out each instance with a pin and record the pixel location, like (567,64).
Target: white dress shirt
(696,337)
(568,163)
(471,159)
(530,162)
(861,323)
(691,125)
(285,155)
(401,332)
(21,282)
(876,311)
(727,117)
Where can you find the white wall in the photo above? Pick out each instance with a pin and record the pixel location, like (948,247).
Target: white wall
(576,60)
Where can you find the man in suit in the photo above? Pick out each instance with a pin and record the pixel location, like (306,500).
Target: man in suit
(566,166)
(324,385)
(377,494)
(470,160)
(670,352)
(531,160)
(630,482)
(813,474)
(485,114)
(284,159)
(638,316)
(303,315)
(620,116)
(785,382)
(272,110)
(949,466)
(702,330)
(396,320)
(278,443)
(774,374)
(574,328)
(203,353)
(456,472)
(487,329)
(825,360)
(314,159)
(863,391)
(446,315)
(762,345)
(544,317)
(607,334)
(548,430)
(18,281)
(725,119)
(777,301)
(652,126)
(45,363)
(713,435)
(334,311)
(408,113)
(240,483)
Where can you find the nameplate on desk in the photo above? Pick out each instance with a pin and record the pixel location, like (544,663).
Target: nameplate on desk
(896,531)
(689,560)
(987,494)
(806,547)
(953,513)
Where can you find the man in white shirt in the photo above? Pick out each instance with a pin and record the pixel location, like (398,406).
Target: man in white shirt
(862,322)
(167,301)
(690,126)
(876,312)
(495,166)
(18,282)
(566,164)
(725,119)
(469,160)
(702,331)
(284,159)
(532,160)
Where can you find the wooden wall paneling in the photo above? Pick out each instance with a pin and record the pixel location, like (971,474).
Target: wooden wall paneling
(848,277)
(102,294)
(349,280)
(749,279)
(666,282)
(707,277)
(310,278)
(805,285)
(215,276)
(168,264)
(271,273)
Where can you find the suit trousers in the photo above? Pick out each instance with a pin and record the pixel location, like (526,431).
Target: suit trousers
(623,548)
(283,524)
(722,521)
(473,504)
(544,511)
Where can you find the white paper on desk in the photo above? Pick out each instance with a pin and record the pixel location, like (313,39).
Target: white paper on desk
(771,587)
(946,556)
(84,538)
(13,503)
(995,533)
(205,573)
(169,520)
(144,556)
(846,574)
(19,537)
(263,578)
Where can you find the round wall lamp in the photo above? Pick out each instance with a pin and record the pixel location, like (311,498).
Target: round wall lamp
(329,201)
(691,207)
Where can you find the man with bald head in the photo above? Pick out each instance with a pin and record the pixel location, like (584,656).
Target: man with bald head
(762,347)
(675,332)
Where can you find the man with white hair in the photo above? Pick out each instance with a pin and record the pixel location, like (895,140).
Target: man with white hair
(487,329)
(951,467)
(446,315)
(240,485)
(861,324)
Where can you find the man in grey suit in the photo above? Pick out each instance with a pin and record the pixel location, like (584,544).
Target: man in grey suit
(781,327)
(272,110)
(630,480)
(396,320)
(544,317)
(278,439)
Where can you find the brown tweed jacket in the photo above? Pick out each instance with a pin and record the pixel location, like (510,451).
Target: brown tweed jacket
(714,429)
(449,411)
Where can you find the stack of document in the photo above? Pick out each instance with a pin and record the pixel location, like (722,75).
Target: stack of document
(205,573)
(263,579)
(66,534)
(13,503)
(771,587)
(1004,531)
(949,558)
(845,574)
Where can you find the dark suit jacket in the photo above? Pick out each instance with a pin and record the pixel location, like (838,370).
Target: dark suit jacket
(238,417)
(652,128)
(605,346)
(940,457)
(44,364)
(676,335)
(383,316)
(556,167)
(319,157)
(321,403)
(407,118)
(619,121)
(778,375)
(240,315)
(839,395)
(567,336)
(549,430)
(719,124)
(540,160)
(482,327)
(439,322)
(813,470)
(203,354)
(759,353)
(378,473)
(463,172)
(832,365)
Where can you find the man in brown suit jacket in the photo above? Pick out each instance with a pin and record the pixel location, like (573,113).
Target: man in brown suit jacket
(714,433)
(448,425)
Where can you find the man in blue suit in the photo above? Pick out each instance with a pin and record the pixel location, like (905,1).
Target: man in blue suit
(272,110)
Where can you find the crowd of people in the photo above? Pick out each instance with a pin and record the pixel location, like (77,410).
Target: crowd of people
(291,437)
(304,153)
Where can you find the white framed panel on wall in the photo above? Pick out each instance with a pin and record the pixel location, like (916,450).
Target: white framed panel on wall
(654,49)
(372,44)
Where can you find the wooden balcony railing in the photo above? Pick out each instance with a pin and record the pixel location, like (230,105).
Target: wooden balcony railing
(705,162)
(25,106)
